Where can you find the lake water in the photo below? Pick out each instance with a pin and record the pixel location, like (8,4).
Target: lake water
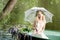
(53,35)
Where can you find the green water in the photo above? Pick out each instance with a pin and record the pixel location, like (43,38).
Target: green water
(52,35)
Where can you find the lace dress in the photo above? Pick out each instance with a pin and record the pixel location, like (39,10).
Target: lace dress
(39,31)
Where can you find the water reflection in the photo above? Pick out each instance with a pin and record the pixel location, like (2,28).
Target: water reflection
(5,36)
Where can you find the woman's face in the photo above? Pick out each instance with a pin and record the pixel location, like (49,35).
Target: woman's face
(39,14)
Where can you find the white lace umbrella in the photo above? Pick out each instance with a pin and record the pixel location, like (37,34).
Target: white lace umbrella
(31,14)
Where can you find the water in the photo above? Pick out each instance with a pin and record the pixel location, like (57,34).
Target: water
(5,36)
(53,35)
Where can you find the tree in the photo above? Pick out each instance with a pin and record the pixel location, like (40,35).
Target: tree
(8,8)
(6,11)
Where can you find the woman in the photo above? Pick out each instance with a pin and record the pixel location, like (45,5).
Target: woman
(39,24)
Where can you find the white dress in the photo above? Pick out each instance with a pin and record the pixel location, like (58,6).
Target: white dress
(39,26)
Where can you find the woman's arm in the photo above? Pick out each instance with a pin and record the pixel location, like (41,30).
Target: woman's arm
(44,21)
(34,25)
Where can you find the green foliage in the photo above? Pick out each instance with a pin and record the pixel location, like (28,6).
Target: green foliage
(1,5)
(17,14)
